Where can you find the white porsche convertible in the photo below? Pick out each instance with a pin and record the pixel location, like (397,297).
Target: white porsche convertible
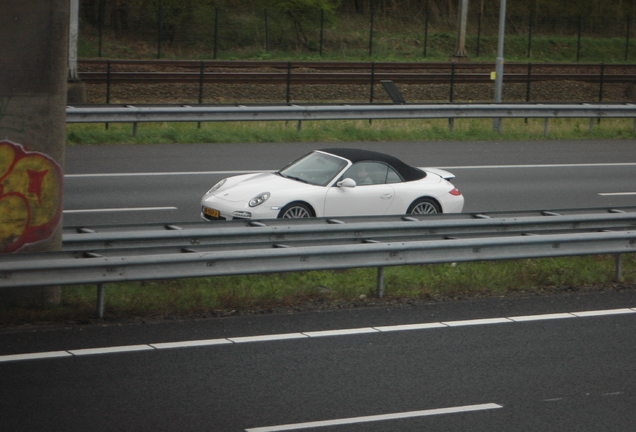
(334,182)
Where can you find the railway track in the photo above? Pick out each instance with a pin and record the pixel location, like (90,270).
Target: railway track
(341,73)
(221,81)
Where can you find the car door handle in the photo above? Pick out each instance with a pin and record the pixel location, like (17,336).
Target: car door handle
(386,196)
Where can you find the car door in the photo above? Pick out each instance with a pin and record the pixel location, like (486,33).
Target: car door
(371,196)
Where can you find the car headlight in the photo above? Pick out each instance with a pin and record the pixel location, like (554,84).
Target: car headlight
(217,186)
(259,199)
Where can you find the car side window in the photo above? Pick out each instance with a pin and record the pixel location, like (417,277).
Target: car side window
(392,176)
(367,173)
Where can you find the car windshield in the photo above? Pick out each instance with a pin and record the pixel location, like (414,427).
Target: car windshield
(314,168)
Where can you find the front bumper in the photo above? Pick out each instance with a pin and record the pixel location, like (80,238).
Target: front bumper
(219,214)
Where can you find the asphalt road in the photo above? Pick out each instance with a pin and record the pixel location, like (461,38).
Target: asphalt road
(541,363)
(164,183)
(536,364)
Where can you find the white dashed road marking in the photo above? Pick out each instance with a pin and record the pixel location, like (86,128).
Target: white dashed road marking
(312,334)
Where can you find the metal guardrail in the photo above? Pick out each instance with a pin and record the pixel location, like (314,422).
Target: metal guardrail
(237,235)
(235,248)
(185,113)
(299,113)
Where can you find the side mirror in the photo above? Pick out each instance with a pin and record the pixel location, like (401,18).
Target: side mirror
(348,182)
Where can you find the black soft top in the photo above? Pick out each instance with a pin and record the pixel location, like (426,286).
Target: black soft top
(407,172)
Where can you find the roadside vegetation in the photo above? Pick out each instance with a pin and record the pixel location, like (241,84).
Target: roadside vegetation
(316,290)
(347,130)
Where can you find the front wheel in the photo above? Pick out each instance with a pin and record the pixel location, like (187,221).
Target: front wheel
(424,206)
(295,210)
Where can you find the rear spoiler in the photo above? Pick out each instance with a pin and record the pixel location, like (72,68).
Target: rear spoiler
(440,172)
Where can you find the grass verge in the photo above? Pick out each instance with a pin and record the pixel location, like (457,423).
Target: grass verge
(284,292)
(348,130)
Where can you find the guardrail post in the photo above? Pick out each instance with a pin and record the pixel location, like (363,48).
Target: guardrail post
(619,267)
(100,300)
(107,86)
(380,289)
(546,125)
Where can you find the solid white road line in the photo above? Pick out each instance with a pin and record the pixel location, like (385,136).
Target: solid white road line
(151,174)
(191,344)
(587,165)
(315,334)
(123,209)
(375,418)
(32,356)
(542,317)
(261,171)
(111,350)
(267,338)
(342,332)
(616,193)
(477,322)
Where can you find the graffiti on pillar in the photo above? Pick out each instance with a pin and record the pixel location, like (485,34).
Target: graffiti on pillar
(30,197)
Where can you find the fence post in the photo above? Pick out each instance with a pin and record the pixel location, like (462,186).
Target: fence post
(578,43)
(322,27)
(629,20)
(371,93)
(216,29)
(201,82)
(452,81)
(100,18)
(288,82)
(266,31)
(602,79)
(159,26)
(371,33)
(478,33)
(201,71)
(426,29)
(530,24)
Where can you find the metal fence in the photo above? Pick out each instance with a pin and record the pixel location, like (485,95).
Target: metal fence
(345,33)
(225,81)
(240,247)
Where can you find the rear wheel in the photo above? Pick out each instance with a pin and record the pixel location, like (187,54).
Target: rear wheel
(424,206)
(295,210)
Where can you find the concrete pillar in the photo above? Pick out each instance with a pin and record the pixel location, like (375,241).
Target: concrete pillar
(33,86)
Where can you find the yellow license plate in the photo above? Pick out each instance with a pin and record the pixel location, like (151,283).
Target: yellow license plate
(211,212)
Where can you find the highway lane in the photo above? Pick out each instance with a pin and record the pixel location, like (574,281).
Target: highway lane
(164,183)
(540,364)
(571,373)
